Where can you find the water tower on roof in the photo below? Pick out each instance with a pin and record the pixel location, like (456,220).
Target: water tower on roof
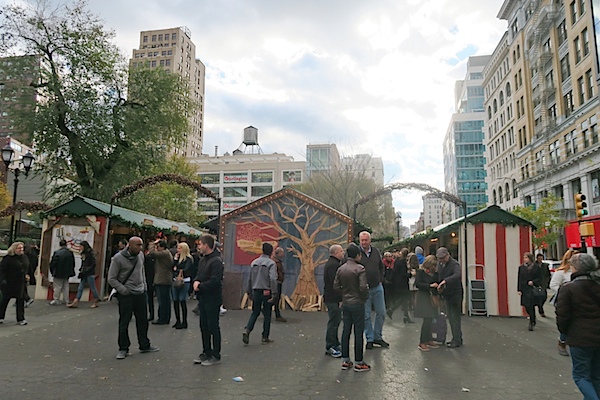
(250,143)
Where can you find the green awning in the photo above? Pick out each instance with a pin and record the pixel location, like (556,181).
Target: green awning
(81,206)
(489,215)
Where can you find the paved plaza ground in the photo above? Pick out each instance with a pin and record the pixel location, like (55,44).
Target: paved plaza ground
(70,354)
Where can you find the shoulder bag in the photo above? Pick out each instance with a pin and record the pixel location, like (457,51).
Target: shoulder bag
(178,281)
(113,292)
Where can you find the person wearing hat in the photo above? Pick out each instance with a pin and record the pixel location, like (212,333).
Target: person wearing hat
(451,290)
(351,282)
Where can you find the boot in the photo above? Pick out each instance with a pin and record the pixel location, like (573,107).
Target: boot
(530,326)
(177,314)
(183,324)
(562,348)
(73,304)
(407,320)
(94,303)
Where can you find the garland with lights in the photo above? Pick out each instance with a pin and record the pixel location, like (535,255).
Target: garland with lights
(153,180)
(22,206)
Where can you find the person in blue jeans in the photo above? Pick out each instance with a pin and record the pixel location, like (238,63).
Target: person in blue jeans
(351,281)
(578,317)
(87,275)
(263,287)
(373,263)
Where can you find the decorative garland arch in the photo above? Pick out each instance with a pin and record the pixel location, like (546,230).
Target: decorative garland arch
(22,206)
(169,178)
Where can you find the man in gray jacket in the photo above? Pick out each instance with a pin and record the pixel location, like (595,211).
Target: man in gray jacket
(126,275)
(351,281)
(263,288)
(451,289)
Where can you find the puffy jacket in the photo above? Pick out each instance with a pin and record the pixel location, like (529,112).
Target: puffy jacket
(578,313)
(351,281)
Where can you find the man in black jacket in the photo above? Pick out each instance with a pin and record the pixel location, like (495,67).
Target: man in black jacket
(451,289)
(208,288)
(332,299)
(62,267)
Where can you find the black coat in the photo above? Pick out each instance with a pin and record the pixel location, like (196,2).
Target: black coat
(451,273)
(330,295)
(578,312)
(528,273)
(88,264)
(62,264)
(423,307)
(400,275)
(12,275)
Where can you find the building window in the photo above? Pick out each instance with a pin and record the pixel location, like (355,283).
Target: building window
(154,38)
(590,83)
(555,152)
(145,40)
(581,7)
(595,186)
(585,134)
(260,191)
(573,9)
(173,36)
(586,42)
(593,130)
(162,63)
(514,185)
(167,62)
(153,63)
(235,191)
(577,45)
(160,38)
(568,103)
(262,177)
(571,143)
(208,179)
(562,32)
(565,68)
(581,87)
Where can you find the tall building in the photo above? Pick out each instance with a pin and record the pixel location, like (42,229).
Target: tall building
(433,211)
(322,158)
(464,172)
(551,58)
(173,50)
(365,165)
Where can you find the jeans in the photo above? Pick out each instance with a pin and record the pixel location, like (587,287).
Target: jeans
(454,313)
(426,331)
(586,371)
(208,308)
(260,303)
(335,317)
(353,315)
(61,285)
(133,305)
(91,281)
(163,298)
(180,294)
(375,332)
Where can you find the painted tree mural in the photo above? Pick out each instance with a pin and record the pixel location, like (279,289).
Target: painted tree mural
(309,230)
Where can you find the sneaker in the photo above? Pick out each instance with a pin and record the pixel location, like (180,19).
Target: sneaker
(454,344)
(369,345)
(55,302)
(150,349)
(23,322)
(211,361)
(381,342)
(122,354)
(362,367)
(266,340)
(246,337)
(432,345)
(203,357)
(333,352)
(562,349)
(423,347)
(29,302)
(347,365)
(222,310)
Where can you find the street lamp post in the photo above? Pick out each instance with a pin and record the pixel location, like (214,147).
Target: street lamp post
(27,161)
(398,221)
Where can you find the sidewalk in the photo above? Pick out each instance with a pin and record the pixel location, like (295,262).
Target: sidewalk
(70,353)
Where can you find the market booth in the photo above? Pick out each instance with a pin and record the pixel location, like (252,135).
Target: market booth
(304,227)
(490,257)
(102,225)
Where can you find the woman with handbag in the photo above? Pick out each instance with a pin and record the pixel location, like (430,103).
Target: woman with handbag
(529,281)
(427,303)
(182,270)
(87,274)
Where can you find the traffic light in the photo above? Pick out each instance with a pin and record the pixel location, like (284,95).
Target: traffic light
(580,206)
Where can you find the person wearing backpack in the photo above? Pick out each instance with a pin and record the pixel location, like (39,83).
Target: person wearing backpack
(578,317)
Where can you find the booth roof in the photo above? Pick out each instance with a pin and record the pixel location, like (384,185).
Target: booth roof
(81,206)
(489,215)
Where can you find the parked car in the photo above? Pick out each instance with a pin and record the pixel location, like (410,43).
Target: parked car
(552,265)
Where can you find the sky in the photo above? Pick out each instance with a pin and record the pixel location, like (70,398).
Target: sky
(373,77)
